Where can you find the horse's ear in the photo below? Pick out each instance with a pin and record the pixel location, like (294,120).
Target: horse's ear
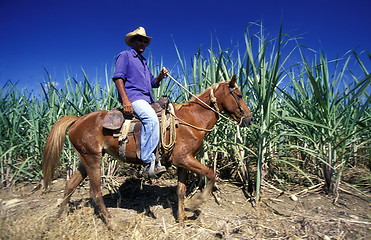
(232,83)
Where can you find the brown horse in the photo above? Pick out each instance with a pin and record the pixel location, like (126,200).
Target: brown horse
(91,141)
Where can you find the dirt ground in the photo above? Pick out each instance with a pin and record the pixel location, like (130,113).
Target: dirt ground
(148,211)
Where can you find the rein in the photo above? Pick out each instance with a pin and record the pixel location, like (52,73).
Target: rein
(213,100)
(190,125)
(207,105)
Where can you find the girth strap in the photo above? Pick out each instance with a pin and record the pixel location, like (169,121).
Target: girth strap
(137,133)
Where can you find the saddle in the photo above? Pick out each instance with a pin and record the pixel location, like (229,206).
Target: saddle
(122,127)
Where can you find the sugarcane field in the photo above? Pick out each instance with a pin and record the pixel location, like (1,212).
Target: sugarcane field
(266,140)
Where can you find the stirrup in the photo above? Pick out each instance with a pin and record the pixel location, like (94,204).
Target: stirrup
(154,170)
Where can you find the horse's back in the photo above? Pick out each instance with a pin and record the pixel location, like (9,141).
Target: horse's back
(88,121)
(86,134)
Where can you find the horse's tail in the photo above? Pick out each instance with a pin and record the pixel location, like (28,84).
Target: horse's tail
(53,147)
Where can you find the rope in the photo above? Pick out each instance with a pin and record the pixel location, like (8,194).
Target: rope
(168,123)
(213,98)
(190,125)
(207,105)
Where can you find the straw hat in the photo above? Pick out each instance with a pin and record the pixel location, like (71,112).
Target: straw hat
(140,31)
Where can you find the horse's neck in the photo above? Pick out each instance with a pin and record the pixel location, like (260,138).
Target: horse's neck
(197,113)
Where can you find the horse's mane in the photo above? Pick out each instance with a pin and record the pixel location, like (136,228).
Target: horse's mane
(193,99)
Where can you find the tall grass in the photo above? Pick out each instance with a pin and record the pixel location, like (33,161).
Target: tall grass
(312,117)
(18,131)
(304,111)
(332,120)
(27,117)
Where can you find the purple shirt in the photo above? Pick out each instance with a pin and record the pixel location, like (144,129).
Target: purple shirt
(138,80)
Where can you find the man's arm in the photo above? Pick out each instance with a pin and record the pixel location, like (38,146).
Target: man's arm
(126,104)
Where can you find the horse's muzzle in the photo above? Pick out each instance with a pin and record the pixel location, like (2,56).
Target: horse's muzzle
(245,122)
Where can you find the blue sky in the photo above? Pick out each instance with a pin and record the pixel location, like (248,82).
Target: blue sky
(65,36)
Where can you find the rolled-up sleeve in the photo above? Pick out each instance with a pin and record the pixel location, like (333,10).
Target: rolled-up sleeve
(121,66)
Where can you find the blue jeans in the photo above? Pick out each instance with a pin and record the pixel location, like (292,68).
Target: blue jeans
(150,130)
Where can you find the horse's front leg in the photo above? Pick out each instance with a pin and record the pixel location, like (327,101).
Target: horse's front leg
(189,163)
(181,192)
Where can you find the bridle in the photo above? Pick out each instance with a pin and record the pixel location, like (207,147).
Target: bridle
(236,97)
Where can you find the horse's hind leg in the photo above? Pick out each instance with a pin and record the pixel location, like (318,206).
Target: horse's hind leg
(71,185)
(94,172)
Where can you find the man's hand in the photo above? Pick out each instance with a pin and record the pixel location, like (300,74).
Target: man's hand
(163,73)
(128,109)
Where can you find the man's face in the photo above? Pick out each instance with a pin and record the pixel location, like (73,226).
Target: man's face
(139,44)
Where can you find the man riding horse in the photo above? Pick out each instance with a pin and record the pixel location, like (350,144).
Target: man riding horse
(134,83)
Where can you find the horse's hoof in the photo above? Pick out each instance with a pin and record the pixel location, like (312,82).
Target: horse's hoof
(181,220)
(117,225)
